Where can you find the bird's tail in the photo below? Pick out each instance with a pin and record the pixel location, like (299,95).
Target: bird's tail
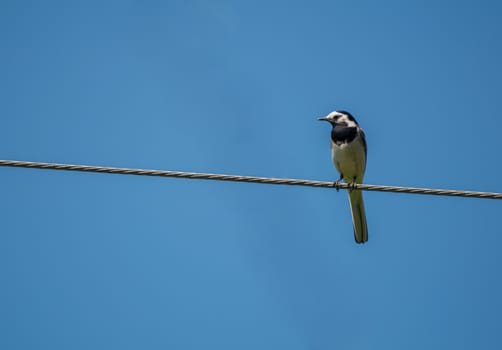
(358,216)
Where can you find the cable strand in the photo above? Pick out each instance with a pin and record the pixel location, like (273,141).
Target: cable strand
(252,179)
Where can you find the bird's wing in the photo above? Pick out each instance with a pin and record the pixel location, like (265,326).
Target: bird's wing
(363,138)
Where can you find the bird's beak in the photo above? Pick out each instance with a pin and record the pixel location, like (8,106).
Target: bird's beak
(323,118)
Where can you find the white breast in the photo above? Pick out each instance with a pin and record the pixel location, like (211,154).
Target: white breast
(350,159)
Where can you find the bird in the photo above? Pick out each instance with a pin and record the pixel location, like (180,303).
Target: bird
(348,152)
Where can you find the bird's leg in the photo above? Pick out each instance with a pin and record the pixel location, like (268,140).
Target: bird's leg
(336,184)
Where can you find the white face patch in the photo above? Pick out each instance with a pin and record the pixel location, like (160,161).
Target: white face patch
(332,115)
(341,118)
(345,119)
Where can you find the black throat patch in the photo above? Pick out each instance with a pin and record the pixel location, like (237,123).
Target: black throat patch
(343,134)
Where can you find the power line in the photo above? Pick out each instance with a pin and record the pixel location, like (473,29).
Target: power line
(254,179)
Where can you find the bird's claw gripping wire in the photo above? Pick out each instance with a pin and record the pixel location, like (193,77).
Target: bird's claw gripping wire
(336,184)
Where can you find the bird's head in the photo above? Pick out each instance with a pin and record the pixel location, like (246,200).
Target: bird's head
(342,118)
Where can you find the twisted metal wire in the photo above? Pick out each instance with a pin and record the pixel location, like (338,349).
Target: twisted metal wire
(254,179)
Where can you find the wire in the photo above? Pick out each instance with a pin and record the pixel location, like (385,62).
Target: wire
(254,179)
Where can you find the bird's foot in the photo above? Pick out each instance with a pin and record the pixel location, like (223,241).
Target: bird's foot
(336,185)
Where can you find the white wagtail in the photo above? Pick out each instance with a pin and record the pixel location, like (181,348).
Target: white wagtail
(348,150)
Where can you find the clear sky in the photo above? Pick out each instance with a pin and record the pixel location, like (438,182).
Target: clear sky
(93,261)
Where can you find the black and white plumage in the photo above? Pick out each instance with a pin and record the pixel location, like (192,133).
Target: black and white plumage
(348,150)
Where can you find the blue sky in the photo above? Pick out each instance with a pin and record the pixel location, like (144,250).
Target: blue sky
(123,262)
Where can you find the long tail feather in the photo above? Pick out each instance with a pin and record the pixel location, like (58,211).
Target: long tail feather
(358,216)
